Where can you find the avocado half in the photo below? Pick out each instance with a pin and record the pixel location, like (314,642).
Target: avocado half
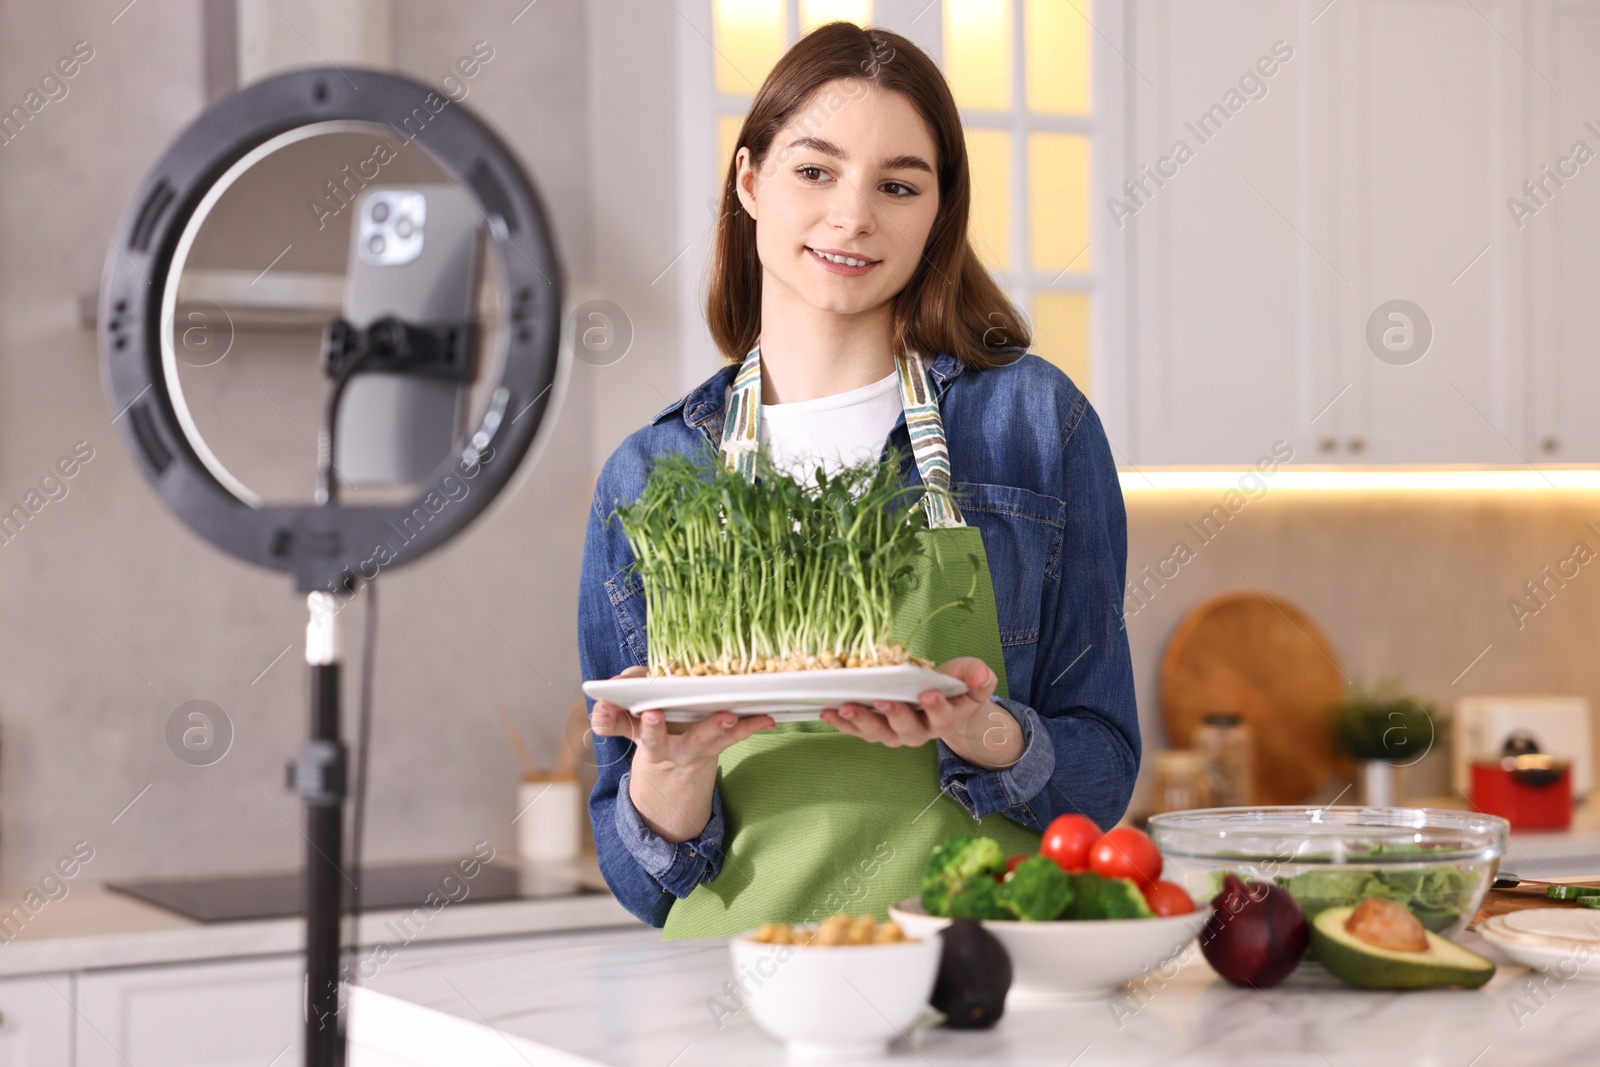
(1442,963)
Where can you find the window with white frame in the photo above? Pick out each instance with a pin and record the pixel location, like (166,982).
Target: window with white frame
(1021,74)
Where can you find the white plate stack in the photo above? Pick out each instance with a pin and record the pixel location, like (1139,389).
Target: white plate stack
(1563,940)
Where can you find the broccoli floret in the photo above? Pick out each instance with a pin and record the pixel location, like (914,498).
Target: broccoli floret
(954,863)
(978,898)
(1094,897)
(1036,890)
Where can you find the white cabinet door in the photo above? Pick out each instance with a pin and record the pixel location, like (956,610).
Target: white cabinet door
(1559,223)
(36,1021)
(1371,165)
(236,1014)
(1225,240)
(1425,148)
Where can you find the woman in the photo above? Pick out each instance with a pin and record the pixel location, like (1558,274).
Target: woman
(850,305)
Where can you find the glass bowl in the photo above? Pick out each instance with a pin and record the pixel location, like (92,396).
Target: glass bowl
(1438,863)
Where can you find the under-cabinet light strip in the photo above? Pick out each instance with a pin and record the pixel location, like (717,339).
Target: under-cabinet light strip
(1250,480)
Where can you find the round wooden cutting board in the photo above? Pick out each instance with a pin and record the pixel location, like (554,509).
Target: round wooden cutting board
(1263,658)
(1523,897)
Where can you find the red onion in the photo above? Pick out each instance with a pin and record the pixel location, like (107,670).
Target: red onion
(1256,933)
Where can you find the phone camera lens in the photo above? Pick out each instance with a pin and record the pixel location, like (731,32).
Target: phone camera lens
(376,246)
(380,211)
(403,227)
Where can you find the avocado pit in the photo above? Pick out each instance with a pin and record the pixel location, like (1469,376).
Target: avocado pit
(1387,924)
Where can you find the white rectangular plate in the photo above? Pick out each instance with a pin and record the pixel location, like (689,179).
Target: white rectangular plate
(788,696)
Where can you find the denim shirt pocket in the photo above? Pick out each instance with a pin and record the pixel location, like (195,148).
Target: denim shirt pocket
(1022,536)
(625,590)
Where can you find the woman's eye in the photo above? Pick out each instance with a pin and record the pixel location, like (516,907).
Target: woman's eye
(898,190)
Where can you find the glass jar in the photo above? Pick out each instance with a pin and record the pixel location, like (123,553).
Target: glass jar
(1223,738)
(1182,781)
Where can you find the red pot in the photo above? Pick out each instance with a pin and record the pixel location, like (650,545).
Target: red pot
(1531,792)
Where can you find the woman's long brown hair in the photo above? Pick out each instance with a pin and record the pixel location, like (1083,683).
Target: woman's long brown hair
(951,304)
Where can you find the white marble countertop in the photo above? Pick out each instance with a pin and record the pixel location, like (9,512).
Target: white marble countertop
(94,927)
(627,999)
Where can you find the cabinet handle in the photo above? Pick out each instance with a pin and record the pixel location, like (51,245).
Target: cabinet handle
(1358,444)
(1329,444)
(1550,444)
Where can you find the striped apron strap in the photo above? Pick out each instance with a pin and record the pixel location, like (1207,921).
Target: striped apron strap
(926,428)
(741,431)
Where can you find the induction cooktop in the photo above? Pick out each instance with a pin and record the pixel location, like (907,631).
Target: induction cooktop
(281,894)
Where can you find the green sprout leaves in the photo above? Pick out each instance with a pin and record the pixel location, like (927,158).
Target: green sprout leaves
(772,574)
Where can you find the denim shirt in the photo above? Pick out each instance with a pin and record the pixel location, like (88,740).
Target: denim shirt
(1033,470)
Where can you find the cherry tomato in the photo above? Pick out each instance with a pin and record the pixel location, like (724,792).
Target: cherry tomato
(1068,839)
(1126,853)
(1011,865)
(1167,898)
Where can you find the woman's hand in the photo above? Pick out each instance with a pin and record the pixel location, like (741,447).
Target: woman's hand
(972,724)
(689,747)
(673,770)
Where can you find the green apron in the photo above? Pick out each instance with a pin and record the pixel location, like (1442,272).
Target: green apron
(818,821)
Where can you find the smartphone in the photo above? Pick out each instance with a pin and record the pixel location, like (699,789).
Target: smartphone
(414,254)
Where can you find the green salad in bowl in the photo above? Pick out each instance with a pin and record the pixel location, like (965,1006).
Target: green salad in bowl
(1438,863)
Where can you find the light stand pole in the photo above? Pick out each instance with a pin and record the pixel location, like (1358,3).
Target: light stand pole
(320,776)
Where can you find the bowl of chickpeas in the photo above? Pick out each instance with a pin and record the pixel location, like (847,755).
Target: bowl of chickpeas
(844,987)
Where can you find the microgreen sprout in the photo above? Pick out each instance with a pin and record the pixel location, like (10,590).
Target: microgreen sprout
(772,574)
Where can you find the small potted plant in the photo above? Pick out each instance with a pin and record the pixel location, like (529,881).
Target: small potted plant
(1384,729)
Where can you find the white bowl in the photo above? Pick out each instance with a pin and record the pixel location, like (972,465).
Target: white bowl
(830,1001)
(1072,959)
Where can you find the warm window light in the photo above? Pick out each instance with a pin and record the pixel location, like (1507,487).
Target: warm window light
(1058,55)
(814,13)
(1150,479)
(989,225)
(1058,202)
(728,127)
(748,38)
(977,53)
(1061,334)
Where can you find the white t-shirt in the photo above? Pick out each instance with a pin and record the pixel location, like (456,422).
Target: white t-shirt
(834,431)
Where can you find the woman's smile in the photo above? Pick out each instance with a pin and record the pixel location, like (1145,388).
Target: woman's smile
(841,262)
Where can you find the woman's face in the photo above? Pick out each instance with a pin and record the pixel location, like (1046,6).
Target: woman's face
(853,174)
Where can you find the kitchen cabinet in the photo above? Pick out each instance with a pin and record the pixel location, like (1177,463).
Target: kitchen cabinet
(1560,229)
(238,1013)
(1424,105)
(231,1013)
(36,1021)
(1220,280)
(1298,168)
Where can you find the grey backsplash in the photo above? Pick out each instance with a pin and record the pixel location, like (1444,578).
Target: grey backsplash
(1412,585)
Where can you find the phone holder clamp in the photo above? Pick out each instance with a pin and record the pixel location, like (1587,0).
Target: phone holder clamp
(434,350)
